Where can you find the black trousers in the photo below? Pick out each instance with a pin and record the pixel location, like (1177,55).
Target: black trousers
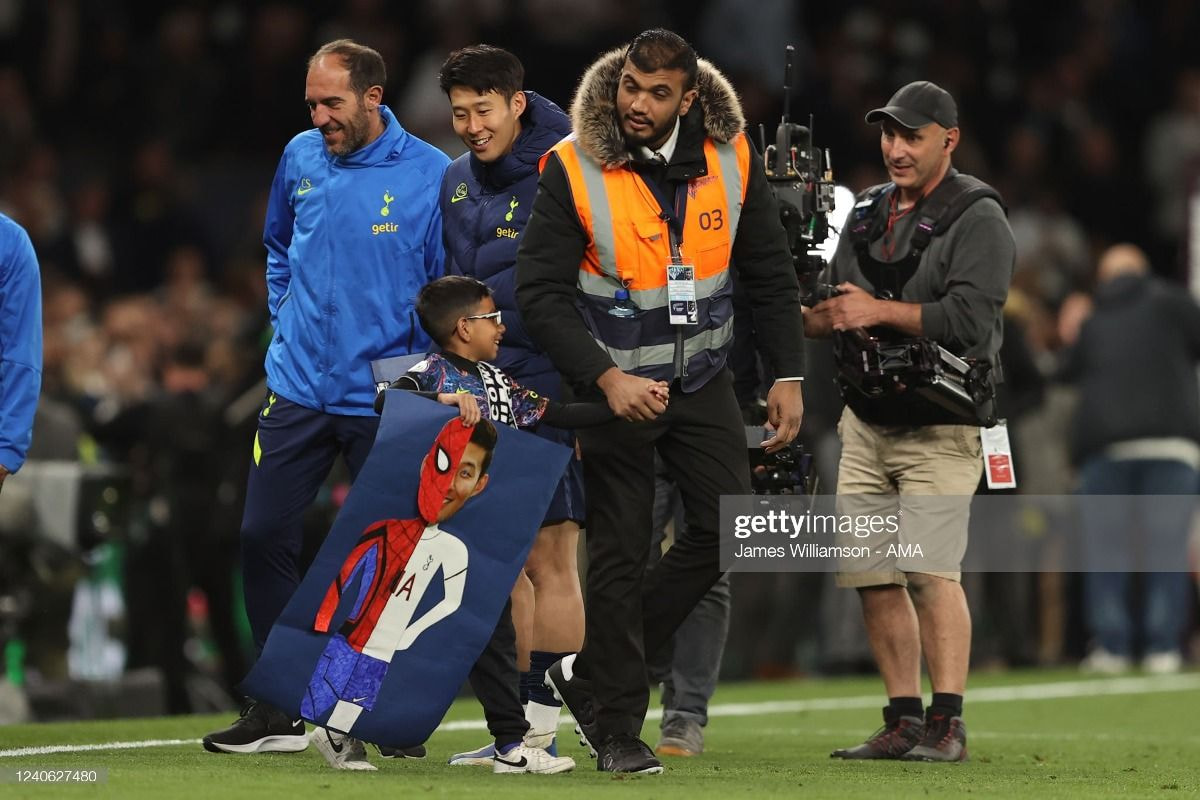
(496,682)
(631,611)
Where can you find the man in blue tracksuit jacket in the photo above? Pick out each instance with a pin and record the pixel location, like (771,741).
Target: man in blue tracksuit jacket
(486,197)
(353,230)
(20,344)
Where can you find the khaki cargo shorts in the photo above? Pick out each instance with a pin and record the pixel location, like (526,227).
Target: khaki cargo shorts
(925,476)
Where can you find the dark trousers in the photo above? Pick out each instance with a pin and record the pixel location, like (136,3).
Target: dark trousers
(295,449)
(631,611)
(495,681)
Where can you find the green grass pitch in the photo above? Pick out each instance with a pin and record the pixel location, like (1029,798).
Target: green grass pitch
(1031,734)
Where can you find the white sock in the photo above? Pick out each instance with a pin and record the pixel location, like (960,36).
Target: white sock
(542,719)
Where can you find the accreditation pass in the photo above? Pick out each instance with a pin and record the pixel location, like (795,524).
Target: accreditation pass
(681,293)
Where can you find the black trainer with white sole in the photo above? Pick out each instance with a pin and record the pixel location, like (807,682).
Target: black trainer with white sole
(627,754)
(259,729)
(576,694)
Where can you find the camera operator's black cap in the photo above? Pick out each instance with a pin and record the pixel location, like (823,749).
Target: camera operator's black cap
(916,105)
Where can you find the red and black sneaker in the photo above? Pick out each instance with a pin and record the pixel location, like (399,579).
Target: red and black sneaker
(899,735)
(945,739)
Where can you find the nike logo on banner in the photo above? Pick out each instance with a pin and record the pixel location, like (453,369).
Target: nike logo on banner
(518,764)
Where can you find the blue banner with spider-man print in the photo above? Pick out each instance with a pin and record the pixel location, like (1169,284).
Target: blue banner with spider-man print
(408,586)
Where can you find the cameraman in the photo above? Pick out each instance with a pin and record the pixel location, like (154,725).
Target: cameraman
(901,444)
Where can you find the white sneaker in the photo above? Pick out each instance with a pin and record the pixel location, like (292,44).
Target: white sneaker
(340,751)
(1102,662)
(524,758)
(542,741)
(1167,662)
(474,758)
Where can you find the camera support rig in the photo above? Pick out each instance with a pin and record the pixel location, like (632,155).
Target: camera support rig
(801,178)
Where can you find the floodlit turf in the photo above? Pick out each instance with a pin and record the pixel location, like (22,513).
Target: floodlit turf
(1138,737)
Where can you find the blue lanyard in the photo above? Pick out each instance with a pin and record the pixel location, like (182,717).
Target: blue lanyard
(671,213)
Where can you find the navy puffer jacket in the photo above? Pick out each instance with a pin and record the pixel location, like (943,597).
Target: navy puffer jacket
(485,208)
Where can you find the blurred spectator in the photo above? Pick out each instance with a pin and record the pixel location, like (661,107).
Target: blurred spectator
(152,217)
(173,439)
(1172,159)
(1137,432)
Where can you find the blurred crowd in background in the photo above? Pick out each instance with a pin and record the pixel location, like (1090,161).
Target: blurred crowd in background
(138,142)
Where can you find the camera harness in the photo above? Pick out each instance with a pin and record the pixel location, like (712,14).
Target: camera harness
(938,211)
(876,368)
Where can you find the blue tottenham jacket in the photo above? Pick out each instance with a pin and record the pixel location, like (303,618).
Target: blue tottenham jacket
(484,210)
(20,342)
(349,241)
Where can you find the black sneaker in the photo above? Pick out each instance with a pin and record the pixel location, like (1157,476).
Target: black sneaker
(260,729)
(576,694)
(401,752)
(898,735)
(945,739)
(629,754)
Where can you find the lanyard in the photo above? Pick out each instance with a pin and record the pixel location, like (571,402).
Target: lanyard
(672,213)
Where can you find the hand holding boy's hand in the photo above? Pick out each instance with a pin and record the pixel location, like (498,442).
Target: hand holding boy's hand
(630,397)
(661,392)
(468,407)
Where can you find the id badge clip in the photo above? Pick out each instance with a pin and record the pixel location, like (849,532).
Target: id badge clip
(681,293)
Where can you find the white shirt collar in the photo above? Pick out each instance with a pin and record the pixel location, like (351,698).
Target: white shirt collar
(666,151)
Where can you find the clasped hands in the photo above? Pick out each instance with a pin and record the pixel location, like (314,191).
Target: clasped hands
(632,398)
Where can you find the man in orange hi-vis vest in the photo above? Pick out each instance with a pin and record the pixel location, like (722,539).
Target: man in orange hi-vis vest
(624,279)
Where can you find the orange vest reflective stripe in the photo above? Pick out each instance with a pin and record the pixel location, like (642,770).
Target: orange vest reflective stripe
(629,245)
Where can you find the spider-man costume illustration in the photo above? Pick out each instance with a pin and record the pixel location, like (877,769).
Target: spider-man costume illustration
(351,669)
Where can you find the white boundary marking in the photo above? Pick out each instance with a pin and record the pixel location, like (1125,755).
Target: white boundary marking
(992,694)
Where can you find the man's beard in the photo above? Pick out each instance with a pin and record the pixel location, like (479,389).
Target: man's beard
(655,135)
(354,135)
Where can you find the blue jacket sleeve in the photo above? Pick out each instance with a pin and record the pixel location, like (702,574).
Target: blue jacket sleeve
(277,236)
(21,343)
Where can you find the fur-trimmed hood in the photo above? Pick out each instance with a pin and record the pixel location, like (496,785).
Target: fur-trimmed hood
(594,110)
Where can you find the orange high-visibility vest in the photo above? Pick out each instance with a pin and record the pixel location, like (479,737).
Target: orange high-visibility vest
(629,246)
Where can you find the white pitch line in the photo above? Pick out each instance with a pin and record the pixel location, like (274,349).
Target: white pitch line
(83,748)
(991,694)
(1054,736)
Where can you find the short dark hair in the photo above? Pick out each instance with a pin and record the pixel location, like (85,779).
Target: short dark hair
(441,303)
(483,68)
(659,49)
(188,354)
(364,64)
(484,435)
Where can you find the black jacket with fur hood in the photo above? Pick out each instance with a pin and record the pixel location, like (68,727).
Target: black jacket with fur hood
(554,241)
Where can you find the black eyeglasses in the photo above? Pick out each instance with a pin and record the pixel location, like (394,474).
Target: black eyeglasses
(494,316)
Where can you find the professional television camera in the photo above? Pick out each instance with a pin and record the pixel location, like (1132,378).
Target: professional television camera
(966,388)
(801,177)
(787,471)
